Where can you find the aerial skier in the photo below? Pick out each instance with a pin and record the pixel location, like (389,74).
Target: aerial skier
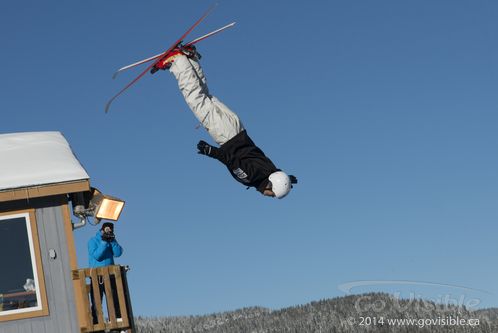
(245,161)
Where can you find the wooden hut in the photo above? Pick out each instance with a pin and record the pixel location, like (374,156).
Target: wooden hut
(42,290)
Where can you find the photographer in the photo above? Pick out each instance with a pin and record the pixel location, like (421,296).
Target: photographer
(102,248)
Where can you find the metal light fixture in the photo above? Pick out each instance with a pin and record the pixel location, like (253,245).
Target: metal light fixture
(96,204)
(106,207)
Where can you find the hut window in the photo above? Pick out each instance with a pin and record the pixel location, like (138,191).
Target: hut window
(22,291)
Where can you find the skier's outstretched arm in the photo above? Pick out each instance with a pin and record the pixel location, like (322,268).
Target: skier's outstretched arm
(205,148)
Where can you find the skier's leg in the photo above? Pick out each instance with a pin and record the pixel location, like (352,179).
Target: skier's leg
(200,73)
(221,123)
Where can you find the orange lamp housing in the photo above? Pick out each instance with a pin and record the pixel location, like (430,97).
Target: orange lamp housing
(106,207)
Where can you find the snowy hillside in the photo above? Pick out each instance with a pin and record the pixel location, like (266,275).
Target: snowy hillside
(374,313)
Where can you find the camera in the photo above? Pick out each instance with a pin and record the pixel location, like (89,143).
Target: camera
(108,236)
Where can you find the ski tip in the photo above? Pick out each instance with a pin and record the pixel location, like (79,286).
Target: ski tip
(115,75)
(107,106)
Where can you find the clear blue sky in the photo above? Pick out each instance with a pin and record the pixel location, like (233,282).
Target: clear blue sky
(385,110)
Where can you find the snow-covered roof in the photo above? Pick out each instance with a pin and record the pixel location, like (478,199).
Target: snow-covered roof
(36,159)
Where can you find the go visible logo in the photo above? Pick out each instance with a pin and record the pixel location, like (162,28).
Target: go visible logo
(241,175)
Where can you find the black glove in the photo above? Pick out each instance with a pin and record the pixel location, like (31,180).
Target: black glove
(206,149)
(108,236)
(293,180)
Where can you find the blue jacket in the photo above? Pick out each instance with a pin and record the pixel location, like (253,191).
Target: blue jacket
(102,253)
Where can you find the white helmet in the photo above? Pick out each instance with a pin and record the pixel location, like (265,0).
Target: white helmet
(280,184)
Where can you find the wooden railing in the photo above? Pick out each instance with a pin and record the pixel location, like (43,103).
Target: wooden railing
(90,281)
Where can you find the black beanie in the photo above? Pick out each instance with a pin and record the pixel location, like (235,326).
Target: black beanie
(107,224)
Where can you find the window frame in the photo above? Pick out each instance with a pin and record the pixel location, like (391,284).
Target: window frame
(41,293)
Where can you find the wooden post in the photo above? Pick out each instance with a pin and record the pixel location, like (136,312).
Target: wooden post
(79,279)
(128,302)
(121,296)
(111,307)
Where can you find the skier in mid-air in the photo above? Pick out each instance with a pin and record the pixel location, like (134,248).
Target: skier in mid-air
(245,161)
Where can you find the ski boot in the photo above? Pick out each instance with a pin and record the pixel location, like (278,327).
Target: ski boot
(168,59)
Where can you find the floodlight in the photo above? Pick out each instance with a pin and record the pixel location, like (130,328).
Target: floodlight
(106,207)
(94,203)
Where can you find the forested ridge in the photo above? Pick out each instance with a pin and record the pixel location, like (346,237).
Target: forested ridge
(373,313)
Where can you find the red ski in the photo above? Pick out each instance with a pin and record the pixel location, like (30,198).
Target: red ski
(193,42)
(108,105)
